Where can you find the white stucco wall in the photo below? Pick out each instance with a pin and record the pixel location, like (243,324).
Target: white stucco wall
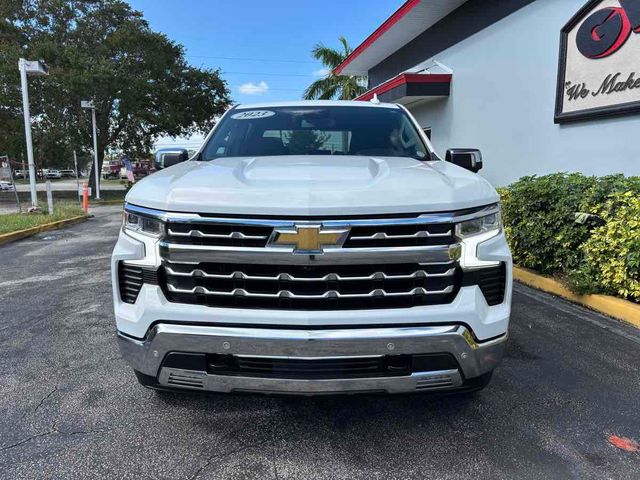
(503,99)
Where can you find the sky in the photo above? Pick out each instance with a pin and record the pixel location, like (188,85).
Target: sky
(263,47)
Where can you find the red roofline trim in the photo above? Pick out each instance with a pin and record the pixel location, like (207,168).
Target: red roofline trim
(406,78)
(381,30)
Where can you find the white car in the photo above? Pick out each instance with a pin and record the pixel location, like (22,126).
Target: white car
(313,248)
(4,185)
(53,174)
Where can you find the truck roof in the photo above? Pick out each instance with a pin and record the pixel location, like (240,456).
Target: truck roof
(317,103)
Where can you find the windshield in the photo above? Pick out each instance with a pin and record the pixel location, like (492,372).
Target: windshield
(316,130)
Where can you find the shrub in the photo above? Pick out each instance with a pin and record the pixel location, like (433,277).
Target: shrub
(539,213)
(539,217)
(612,254)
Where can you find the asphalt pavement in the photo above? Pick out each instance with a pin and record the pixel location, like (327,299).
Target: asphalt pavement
(71,408)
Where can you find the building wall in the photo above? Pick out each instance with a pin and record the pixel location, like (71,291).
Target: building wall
(466,20)
(502,101)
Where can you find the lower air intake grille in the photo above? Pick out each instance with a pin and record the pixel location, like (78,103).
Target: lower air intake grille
(131,278)
(438,381)
(492,282)
(186,379)
(325,368)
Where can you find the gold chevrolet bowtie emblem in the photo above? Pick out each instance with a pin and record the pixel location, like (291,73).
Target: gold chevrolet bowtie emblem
(308,238)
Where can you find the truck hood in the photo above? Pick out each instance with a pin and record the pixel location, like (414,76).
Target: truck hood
(312,185)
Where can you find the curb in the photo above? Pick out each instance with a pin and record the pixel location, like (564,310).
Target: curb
(614,307)
(28,232)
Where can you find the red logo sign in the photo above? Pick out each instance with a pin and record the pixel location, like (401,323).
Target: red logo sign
(605,31)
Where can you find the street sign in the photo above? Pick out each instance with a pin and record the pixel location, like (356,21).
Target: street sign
(5,172)
(35,67)
(86,103)
(80,191)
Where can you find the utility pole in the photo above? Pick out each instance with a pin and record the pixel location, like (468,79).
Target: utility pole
(35,68)
(75,163)
(88,104)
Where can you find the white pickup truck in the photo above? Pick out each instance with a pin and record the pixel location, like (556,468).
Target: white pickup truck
(313,248)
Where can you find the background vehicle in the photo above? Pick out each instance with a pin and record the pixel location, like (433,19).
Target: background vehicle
(111,169)
(68,173)
(53,174)
(313,247)
(4,185)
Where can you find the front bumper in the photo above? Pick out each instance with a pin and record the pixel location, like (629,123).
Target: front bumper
(473,358)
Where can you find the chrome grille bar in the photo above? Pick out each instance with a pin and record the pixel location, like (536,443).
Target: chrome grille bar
(232,235)
(331,256)
(240,292)
(386,236)
(327,277)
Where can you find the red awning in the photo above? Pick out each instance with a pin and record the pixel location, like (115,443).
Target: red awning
(411,87)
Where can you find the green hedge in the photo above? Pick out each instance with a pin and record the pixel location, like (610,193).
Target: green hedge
(599,256)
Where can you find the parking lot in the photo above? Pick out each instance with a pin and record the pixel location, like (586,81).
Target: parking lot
(71,408)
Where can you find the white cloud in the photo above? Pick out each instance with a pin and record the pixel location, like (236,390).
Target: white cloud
(253,89)
(322,72)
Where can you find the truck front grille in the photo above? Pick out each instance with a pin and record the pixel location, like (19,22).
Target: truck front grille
(400,235)
(312,287)
(237,235)
(384,262)
(218,234)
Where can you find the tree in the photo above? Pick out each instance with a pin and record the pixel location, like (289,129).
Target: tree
(11,39)
(103,50)
(343,87)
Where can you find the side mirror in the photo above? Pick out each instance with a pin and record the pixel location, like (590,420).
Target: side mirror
(469,158)
(170,156)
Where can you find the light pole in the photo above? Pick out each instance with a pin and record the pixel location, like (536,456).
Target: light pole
(89,105)
(33,68)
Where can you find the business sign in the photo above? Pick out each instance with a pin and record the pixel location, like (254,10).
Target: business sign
(599,70)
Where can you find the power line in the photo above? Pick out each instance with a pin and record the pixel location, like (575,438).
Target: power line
(283,89)
(271,74)
(253,59)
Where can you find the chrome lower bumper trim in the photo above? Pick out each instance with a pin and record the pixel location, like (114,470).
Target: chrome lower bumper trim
(195,380)
(474,358)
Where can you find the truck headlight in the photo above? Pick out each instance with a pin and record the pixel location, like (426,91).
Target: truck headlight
(472,233)
(478,226)
(134,222)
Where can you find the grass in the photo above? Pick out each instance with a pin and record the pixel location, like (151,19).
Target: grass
(13,222)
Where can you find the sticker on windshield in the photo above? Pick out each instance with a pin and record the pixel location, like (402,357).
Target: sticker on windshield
(253,114)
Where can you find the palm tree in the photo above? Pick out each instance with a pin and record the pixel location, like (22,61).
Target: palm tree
(344,87)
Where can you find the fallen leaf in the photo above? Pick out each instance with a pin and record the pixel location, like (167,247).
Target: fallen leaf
(624,443)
